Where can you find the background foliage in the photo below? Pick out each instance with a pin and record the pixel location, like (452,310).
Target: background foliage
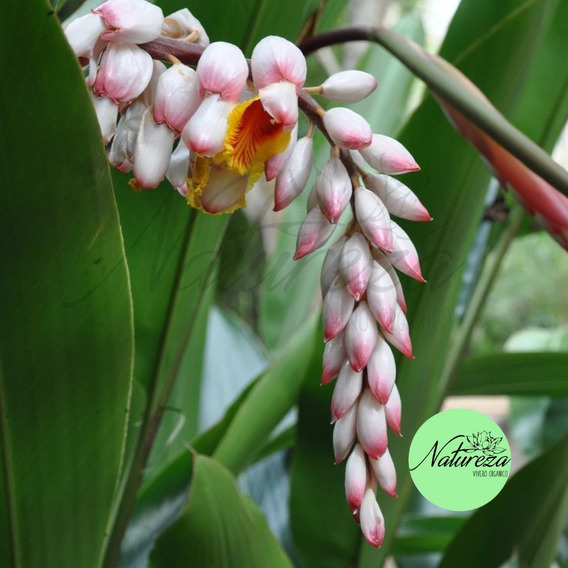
(119,307)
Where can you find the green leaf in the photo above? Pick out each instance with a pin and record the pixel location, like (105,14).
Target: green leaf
(268,402)
(420,535)
(220,527)
(66,325)
(535,374)
(453,184)
(527,517)
(239,436)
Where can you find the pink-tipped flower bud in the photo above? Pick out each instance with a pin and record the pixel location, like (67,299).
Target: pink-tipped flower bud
(177,97)
(280,101)
(330,268)
(381,296)
(224,191)
(355,265)
(313,234)
(360,336)
(222,70)
(276,59)
(374,219)
(83,33)
(205,131)
(355,477)
(388,156)
(344,434)
(393,411)
(348,86)
(178,170)
(130,21)
(372,521)
(333,189)
(404,255)
(400,336)
(381,371)
(337,309)
(273,166)
(124,73)
(385,473)
(372,425)
(334,357)
(182,24)
(346,391)
(153,152)
(107,113)
(381,259)
(347,129)
(398,198)
(292,180)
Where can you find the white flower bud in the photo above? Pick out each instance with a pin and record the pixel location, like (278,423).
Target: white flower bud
(276,59)
(131,21)
(222,70)
(373,218)
(124,73)
(292,180)
(393,411)
(348,86)
(372,425)
(404,255)
(381,371)
(400,336)
(280,101)
(337,308)
(347,129)
(178,170)
(360,336)
(385,473)
(355,265)
(346,391)
(372,521)
(344,434)
(398,198)
(274,165)
(388,156)
(205,131)
(333,189)
(334,357)
(381,259)
(355,477)
(177,96)
(313,234)
(381,296)
(153,152)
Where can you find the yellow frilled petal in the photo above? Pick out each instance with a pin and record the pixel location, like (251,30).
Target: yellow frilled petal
(252,138)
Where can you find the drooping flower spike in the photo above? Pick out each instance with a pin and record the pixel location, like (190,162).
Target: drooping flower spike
(213,131)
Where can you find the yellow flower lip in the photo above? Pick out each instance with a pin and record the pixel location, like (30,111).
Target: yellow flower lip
(253,137)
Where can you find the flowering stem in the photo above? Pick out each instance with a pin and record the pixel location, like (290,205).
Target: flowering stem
(443,84)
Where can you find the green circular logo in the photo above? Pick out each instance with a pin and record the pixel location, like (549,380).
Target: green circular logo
(459,459)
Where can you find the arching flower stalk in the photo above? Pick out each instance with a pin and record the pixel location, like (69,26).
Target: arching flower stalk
(213,131)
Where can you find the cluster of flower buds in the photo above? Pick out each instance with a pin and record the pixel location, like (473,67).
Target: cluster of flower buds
(213,131)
